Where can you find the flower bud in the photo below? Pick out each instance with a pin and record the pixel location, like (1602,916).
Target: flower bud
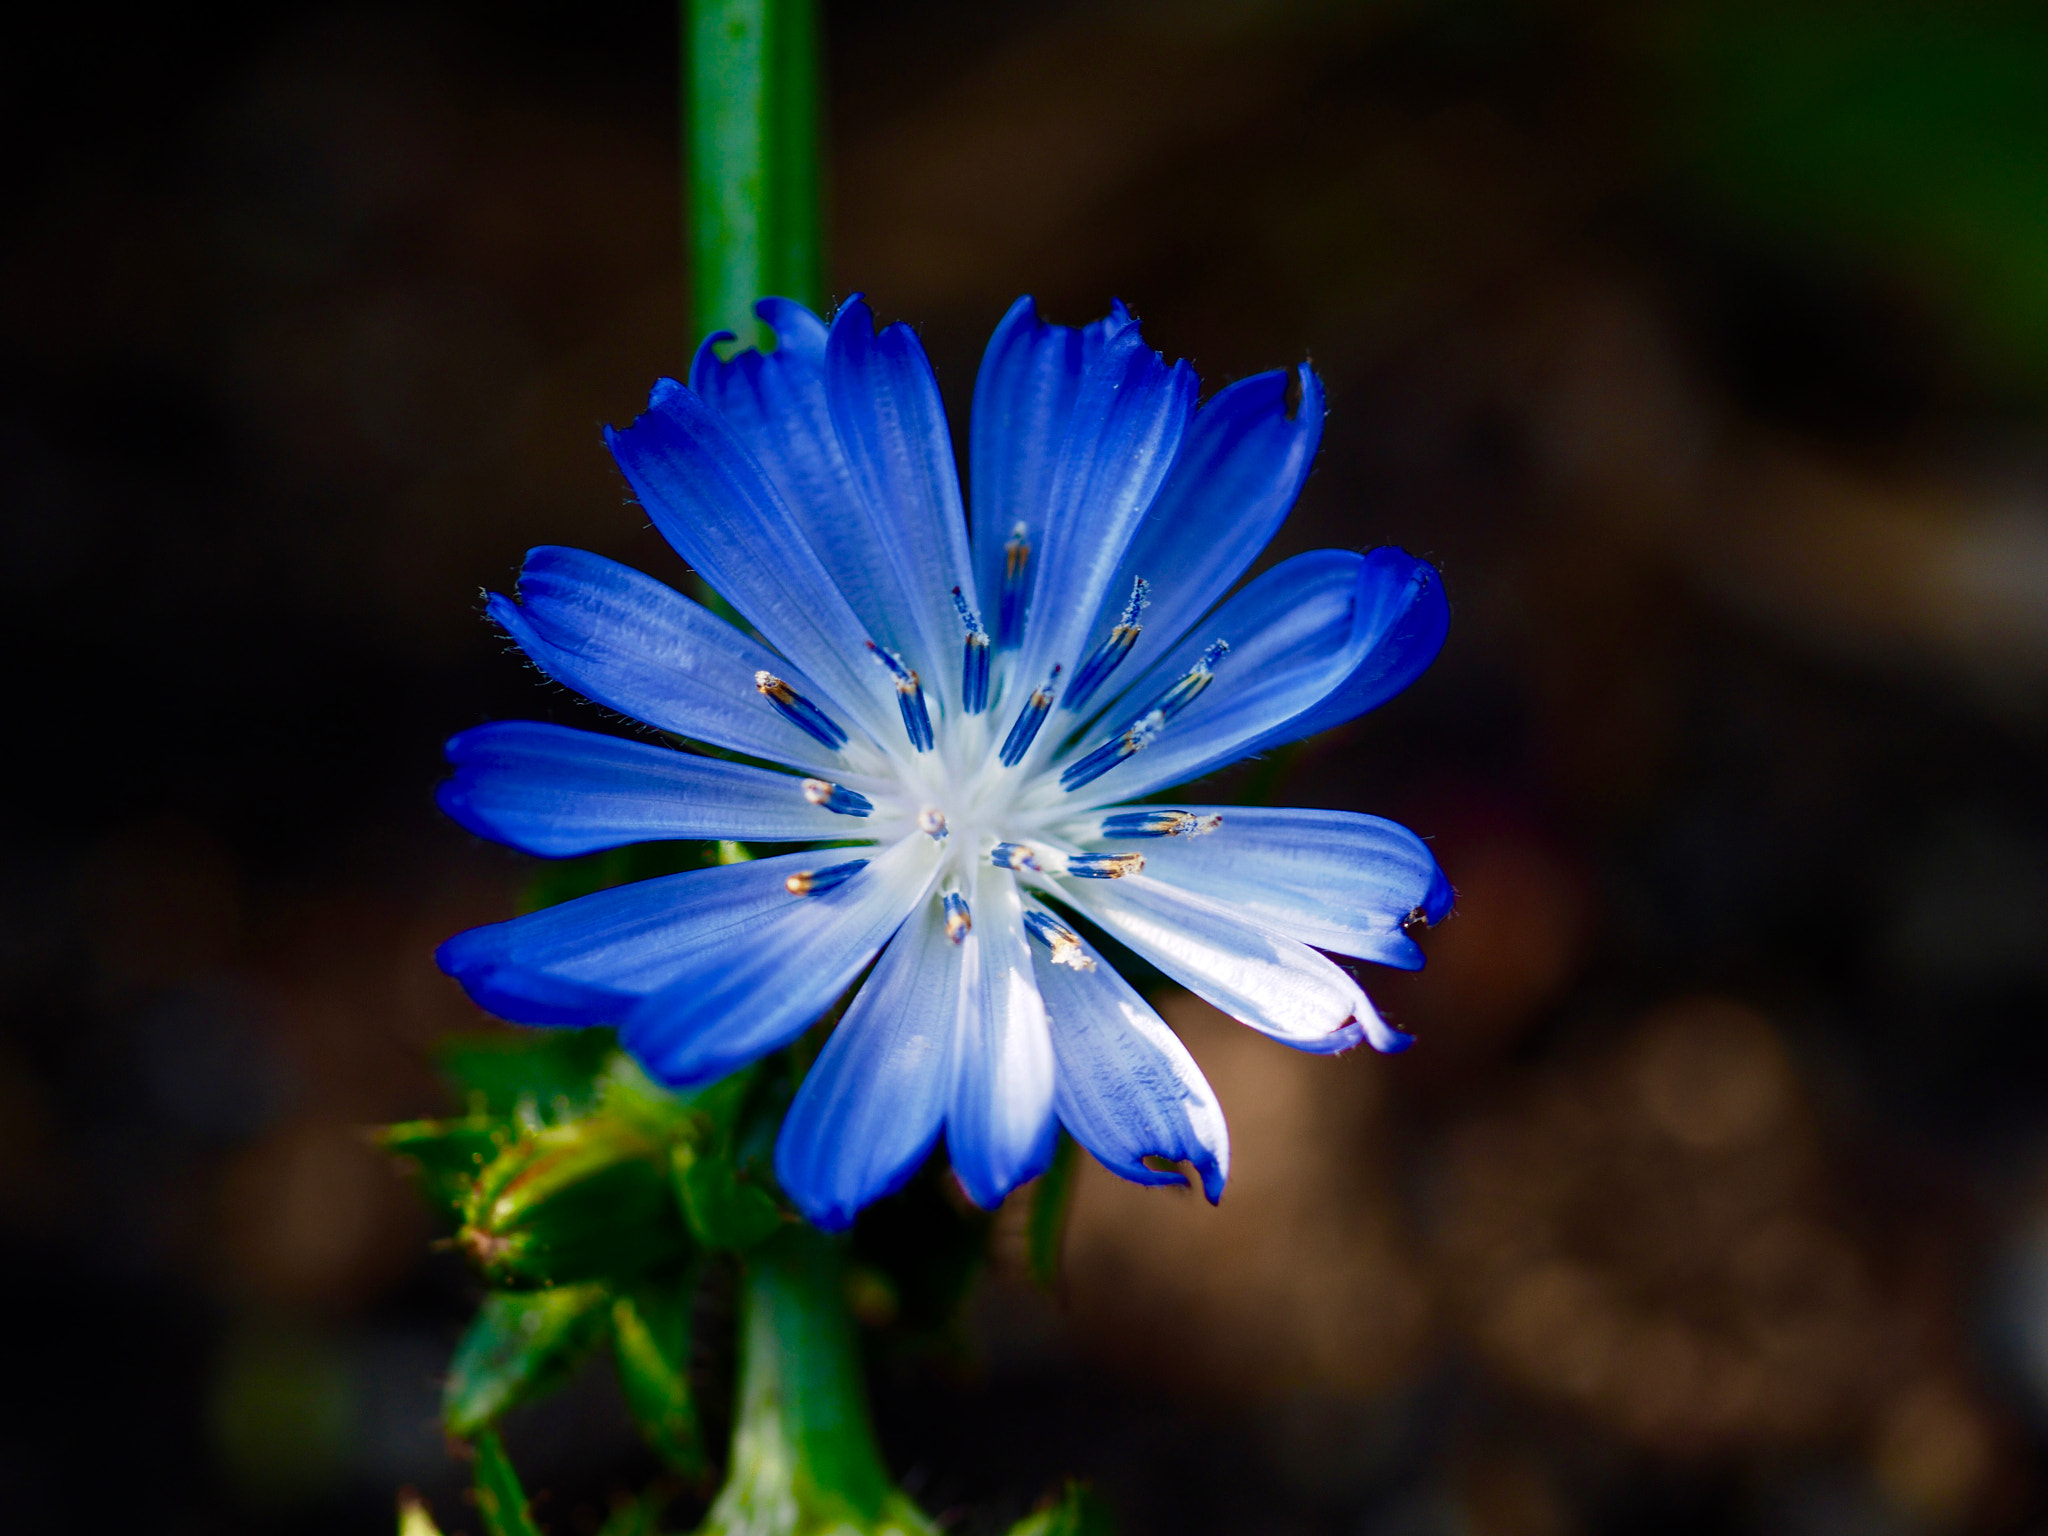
(573,1202)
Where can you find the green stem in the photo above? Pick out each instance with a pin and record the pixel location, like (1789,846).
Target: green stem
(804,1457)
(750,153)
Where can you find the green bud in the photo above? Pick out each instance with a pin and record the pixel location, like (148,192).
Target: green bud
(444,1156)
(520,1345)
(500,1501)
(573,1202)
(651,1340)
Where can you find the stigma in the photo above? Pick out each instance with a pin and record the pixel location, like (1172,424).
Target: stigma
(1160,824)
(800,711)
(1062,941)
(1025,731)
(1106,657)
(959,921)
(917,719)
(836,797)
(815,882)
(1016,569)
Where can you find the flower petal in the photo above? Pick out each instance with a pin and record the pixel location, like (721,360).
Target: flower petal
(1312,642)
(713,503)
(588,961)
(1127,1088)
(892,424)
(872,1104)
(1000,1125)
(1241,466)
(1023,399)
(643,649)
(1277,985)
(559,792)
(1335,879)
(739,1000)
(1126,428)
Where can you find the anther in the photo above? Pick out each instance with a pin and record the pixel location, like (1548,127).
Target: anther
(959,921)
(1106,657)
(1025,731)
(931,821)
(1064,943)
(1104,866)
(1192,682)
(973,660)
(1010,607)
(917,720)
(1016,856)
(1134,738)
(815,882)
(800,711)
(835,797)
(1159,824)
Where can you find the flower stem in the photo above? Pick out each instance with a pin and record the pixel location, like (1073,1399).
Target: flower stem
(804,1457)
(750,155)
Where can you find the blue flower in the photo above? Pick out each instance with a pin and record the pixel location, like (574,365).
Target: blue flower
(984,712)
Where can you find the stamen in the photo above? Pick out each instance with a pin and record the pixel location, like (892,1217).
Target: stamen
(1015,856)
(1138,736)
(1106,657)
(815,882)
(974,660)
(917,720)
(1064,943)
(1010,607)
(1025,731)
(800,711)
(931,821)
(1105,866)
(959,921)
(834,797)
(1141,733)
(1161,823)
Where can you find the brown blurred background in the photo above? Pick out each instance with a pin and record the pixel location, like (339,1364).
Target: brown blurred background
(1703,346)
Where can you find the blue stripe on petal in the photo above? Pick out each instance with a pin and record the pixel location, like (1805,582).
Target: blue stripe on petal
(1023,399)
(1127,1088)
(892,425)
(714,504)
(643,649)
(872,1104)
(1242,465)
(738,1000)
(588,961)
(1126,429)
(1000,1125)
(777,405)
(1335,879)
(1277,985)
(1313,641)
(559,792)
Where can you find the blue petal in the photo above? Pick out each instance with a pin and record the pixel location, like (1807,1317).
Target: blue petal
(1277,985)
(1127,1087)
(1023,399)
(647,651)
(892,424)
(1314,641)
(871,1106)
(1240,469)
(1125,431)
(588,961)
(558,792)
(713,503)
(777,405)
(1000,1125)
(1335,879)
(737,1001)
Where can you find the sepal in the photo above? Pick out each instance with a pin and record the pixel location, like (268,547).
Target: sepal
(651,1342)
(520,1345)
(444,1157)
(500,1501)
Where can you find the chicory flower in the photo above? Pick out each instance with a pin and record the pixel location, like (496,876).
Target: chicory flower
(992,716)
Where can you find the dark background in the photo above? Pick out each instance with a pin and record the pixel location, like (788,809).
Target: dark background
(1704,347)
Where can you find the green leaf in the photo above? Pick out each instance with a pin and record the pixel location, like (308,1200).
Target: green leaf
(583,1201)
(500,1501)
(651,1337)
(538,1076)
(444,1156)
(1079,1511)
(1045,1227)
(520,1345)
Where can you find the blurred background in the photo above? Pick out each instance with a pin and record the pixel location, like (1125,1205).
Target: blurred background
(1704,347)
